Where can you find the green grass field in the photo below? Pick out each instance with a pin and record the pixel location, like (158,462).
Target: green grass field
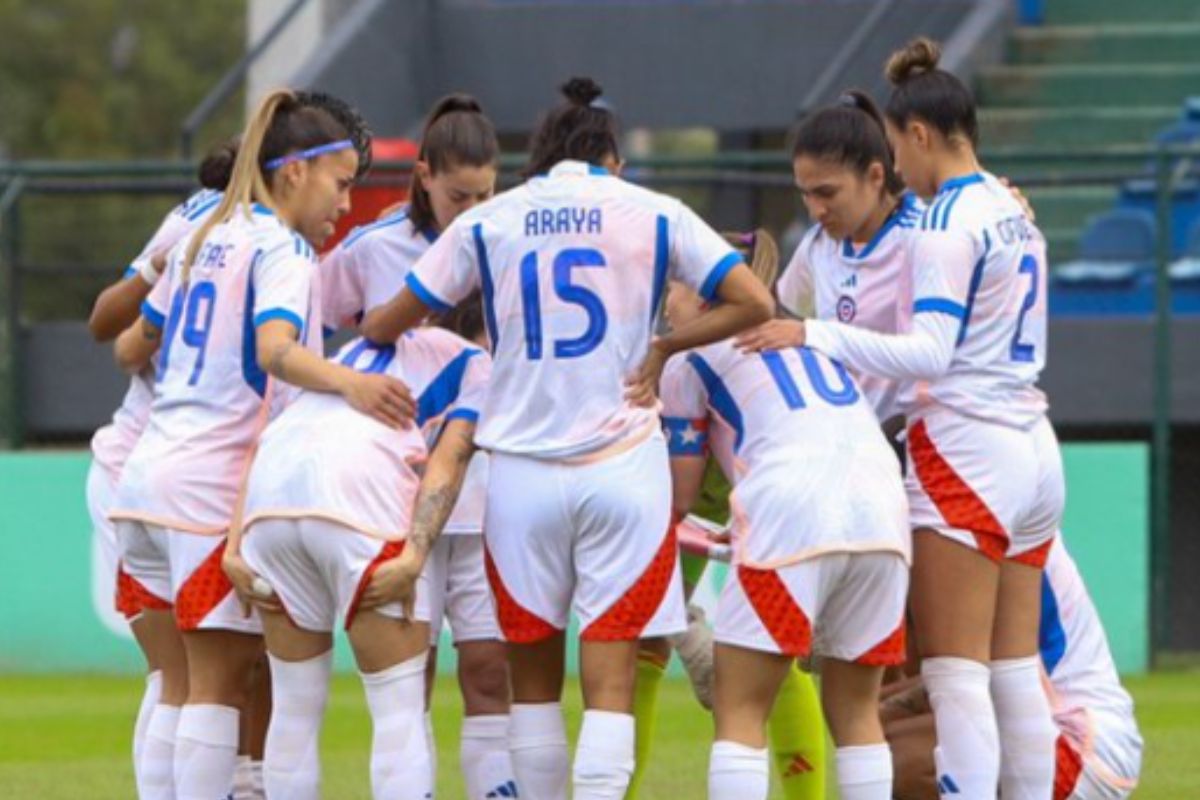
(67,737)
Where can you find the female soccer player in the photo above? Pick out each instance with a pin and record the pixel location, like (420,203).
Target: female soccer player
(1099,748)
(115,310)
(455,171)
(985,485)
(572,265)
(331,526)
(820,545)
(232,307)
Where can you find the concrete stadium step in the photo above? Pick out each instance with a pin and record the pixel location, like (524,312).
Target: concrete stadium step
(1062,207)
(1084,127)
(1065,12)
(1148,43)
(1088,85)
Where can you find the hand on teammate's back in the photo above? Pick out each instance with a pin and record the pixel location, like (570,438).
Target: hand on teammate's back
(394,582)
(772,335)
(382,397)
(641,388)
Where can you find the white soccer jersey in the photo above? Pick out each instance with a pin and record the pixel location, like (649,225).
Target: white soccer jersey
(113,443)
(322,458)
(793,414)
(978,332)
(368,268)
(572,266)
(185,470)
(857,286)
(1079,664)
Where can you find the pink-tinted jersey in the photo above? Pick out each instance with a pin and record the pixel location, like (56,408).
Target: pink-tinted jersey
(186,469)
(978,330)
(322,458)
(369,266)
(113,443)
(572,266)
(794,416)
(862,286)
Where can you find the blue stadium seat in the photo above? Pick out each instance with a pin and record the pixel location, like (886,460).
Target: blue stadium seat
(1114,273)
(1185,275)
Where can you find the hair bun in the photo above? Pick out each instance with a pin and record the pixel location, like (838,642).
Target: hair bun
(451,103)
(581,91)
(915,58)
(216,169)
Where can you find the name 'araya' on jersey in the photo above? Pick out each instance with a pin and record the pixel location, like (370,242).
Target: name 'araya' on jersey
(547,221)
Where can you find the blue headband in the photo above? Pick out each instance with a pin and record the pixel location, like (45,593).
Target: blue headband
(312,152)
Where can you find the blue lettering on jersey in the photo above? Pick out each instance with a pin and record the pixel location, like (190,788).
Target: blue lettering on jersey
(546,221)
(212,255)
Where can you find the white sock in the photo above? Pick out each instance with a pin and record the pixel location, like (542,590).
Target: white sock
(243,779)
(258,790)
(149,701)
(1027,730)
(537,739)
(156,768)
(864,772)
(737,772)
(431,743)
(206,745)
(483,753)
(291,763)
(400,767)
(968,747)
(603,756)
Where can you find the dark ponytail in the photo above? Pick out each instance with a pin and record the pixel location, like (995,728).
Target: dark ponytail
(581,129)
(923,91)
(850,133)
(456,134)
(216,168)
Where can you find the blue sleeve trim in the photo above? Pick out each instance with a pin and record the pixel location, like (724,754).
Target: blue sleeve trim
(939,305)
(284,314)
(156,317)
(709,290)
(425,295)
(469,414)
(686,437)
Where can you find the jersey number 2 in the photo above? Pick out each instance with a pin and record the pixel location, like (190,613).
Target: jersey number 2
(1022,351)
(589,301)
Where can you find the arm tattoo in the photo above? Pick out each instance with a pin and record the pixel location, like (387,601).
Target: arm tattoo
(275,365)
(437,497)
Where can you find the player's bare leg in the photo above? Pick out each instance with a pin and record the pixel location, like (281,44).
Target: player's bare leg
(391,655)
(604,756)
(538,738)
(219,662)
(747,682)
(1023,713)
(483,681)
(850,697)
(953,602)
(252,737)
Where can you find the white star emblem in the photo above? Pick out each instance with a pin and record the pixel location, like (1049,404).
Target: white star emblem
(689,435)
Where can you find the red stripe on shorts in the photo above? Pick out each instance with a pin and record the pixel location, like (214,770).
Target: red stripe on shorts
(1068,765)
(888,653)
(1035,557)
(628,617)
(777,609)
(517,623)
(132,597)
(203,591)
(390,550)
(955,500)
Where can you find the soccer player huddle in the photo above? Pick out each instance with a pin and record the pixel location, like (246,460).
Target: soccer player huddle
(520,430)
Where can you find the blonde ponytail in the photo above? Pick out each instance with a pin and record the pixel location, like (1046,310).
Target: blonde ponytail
(246,183)
(760,247)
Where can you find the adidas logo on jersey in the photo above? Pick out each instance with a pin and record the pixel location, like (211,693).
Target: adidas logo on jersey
(508,789)
(946,785)
(849,283)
